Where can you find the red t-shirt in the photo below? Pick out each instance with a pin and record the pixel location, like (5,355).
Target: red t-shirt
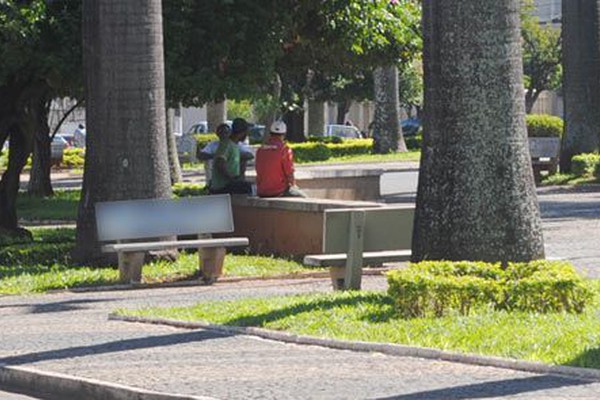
(274,168)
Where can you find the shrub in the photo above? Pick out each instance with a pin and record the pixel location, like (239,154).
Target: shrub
(351,147)
(437,287)
(543,125)
(203,139)
(584,164)
(305,152)
(73,157)
(597,171)
(325,139)
(189,189)
(414,142)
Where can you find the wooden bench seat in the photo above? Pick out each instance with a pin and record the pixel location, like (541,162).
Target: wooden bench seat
(140,226)
(357,237)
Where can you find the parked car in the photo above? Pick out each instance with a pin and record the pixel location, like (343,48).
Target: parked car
(57,148)
(200,127)
(256,133)
(410,126)
(343,131)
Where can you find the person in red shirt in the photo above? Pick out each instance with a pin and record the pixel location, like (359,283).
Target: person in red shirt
(275,166)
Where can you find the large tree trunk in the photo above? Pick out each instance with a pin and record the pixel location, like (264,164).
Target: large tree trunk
(216,113)
(174,166)
(387,134)
(19,150)
(342,109)
(476,197)
(40,183)
(581,80)
(126,148)
(316,117)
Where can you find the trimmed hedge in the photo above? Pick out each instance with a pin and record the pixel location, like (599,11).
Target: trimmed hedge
(73,157)
(543,125)
(305,152)
(585,164)
(351,147)
(202,139)
(189,189)
(325,139)
(438,287)
(414,142)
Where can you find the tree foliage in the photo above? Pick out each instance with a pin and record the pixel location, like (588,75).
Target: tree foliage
(542,55)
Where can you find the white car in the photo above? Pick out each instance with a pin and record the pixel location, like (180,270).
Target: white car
(343,131)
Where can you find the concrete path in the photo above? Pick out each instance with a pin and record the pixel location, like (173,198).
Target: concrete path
(69,333)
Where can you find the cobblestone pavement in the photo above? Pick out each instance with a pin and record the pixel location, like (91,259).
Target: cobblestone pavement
(69,333)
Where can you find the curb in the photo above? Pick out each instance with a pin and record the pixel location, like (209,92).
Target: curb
(61,386)
(398,350)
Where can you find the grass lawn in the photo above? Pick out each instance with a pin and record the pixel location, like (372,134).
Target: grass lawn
(60,207)
(567,179)
(46,265)
(556,338)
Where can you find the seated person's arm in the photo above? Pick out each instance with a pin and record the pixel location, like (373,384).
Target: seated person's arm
(204,156)
(221,166)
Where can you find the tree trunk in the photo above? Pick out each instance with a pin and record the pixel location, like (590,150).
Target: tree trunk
(316,117)
(342,109)
(531,97)
(19,150)
(40,183)
(126,147)
(295,125)
(174,166)
(387,134)
(581,79)
(476,197)
(216,113)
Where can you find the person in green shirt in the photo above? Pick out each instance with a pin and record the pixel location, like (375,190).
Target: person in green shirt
(227,177)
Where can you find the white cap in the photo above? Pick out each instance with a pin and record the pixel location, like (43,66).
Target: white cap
(278,127)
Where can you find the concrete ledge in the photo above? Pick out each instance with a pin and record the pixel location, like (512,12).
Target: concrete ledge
(385,348)
(285,226)
(60,386)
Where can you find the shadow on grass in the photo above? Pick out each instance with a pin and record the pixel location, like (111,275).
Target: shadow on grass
(62,206)
(587,359)
(379,308)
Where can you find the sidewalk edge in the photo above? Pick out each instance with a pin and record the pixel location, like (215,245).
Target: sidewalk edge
(60,386)
(385,348)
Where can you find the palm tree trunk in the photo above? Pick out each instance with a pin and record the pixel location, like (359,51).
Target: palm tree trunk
(476,197)
(581,81)
(174,166)
(387,134)
(126,147)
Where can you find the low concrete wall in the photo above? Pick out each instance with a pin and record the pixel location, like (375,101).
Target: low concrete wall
(285,226)
(362,185)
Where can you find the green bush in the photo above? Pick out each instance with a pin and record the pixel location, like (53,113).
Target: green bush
(414,142)
(597,171)
(351,147)
(325,139)
(543,125)
(189,189)
(584,164)
(73,157)
(305,152)
(438,287)
(202,139)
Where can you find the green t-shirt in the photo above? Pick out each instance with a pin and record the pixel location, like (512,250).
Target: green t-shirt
(230,152)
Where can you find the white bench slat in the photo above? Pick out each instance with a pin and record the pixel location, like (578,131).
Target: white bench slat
(179,244)
(339,259)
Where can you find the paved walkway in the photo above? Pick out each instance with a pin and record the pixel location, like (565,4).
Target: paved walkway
(69,333)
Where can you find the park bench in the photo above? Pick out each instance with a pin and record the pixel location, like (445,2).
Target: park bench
(357,237)
(140,226)
(544,155)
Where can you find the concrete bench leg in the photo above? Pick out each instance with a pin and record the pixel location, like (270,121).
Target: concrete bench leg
(130,267)
(211,263)
(338,277)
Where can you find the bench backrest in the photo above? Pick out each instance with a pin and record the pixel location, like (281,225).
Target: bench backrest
(544,147)
(150,218)
(385,228)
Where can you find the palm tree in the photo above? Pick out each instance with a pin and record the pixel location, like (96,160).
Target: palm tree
(126,154)
(476,197)
(387,134)
(581,80)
